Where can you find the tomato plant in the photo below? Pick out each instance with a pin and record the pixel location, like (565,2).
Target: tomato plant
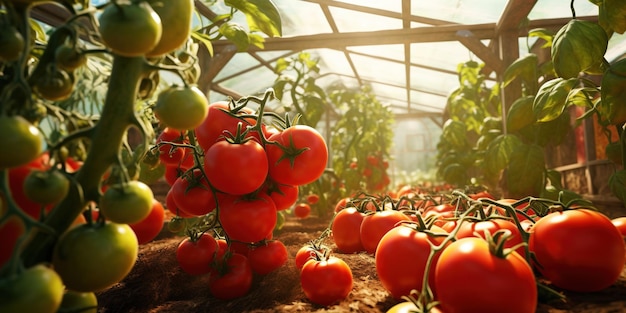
(578,250)
(326,281)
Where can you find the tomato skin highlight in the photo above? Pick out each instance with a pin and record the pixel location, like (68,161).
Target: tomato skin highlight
(327,281)
(578,250)
(620,224)
(497,284)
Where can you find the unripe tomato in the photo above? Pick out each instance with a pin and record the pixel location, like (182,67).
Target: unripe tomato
(181,108)
(37,289)
(56,85)
(11,44)
(176,23)
(130,29)
(69,58)
(83,302)
(26,141)
(91,258)
(46,187)
(127,203)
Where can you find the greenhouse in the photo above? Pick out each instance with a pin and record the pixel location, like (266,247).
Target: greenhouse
(312,156)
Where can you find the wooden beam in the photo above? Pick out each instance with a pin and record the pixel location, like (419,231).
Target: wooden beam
(514,13)
(487,55)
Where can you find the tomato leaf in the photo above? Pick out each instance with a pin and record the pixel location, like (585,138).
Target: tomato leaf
(524,68)
(617,183)
(454,134)
(613,12)
(552,98)
(525,173)
(237,34)
(499,152)
(543,34)
(520,114)
(261,15)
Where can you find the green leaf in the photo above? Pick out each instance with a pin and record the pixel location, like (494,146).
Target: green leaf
(261,15)
(524,68)
(543,34)
(281,65)
(552,98)
(525,173)
(499,152)
(237,34)
(279,85)
(454,134)
(617,184)
(614,14)
(520,114)
(555,178)
(205,39)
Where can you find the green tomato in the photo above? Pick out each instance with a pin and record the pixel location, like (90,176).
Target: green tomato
(23,140)
(90,258)
(130,29)
(83,302)
(127,203)
(181,108)
(11,44)
(37,289)
(46,187)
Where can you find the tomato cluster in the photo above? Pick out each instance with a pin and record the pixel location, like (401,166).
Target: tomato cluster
(429,242)
(236,174)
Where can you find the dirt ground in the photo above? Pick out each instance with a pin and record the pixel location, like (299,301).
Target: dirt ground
(156,284)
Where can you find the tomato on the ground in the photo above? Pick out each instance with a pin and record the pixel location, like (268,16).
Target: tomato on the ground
(327,281)
(346,230)
(302,210)
(376,225)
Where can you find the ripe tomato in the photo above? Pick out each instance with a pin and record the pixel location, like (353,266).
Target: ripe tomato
(37,289)
(26,141)
(127,203)
(148,228)
(181,107)
(248,220)
(341,204)
(401,259)
(267,258)
(169,154)
(91,258)
(471,229)
(495,284)
(620,223)
(130,29)
(302,210)
(306,253)
(346,230)
(376,225)
(176,18)
(236,169)
(172,173)
(233,279)
(46,187)
(195,256)
(17,177)
(304,159)
(312,199)
(578,250)
(327,281)
(10,232)
(217,123)
(74,301)
(171,205)
(193,194)
(284,196)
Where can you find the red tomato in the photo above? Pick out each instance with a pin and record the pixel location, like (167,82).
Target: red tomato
(248,220)
(312,199)
(267,258)
(304,159)
(172,173)
(482,194)
(376,225)
(305,254)
(284,196)
(170,155)
(326,282)
(17,176)
(578,250)
(519,208)
(346,230)
(195,256)
(171,205)
(341,204)
(302,210)
(10,232)
(236,169)
(401,259)
(193,194)
(148,228)
(620,223)
(218,123)
(469,278)
(471,229)
(232,279)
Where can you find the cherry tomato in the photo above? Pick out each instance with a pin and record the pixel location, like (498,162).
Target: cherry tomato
(236,169)
(481,228)
(148,228)
(302,210)
(304,159)
(169,154)
(491,283)
(91,258)
(69,58)
(233,280)
(376,225)
(578,250)
(327,281)
(268,257)
(171,205)
(312,199)
(11,44)
(306,253)
(36,289)
(195,256)
(17,177)
(248,220)
(346,230)
(341,204)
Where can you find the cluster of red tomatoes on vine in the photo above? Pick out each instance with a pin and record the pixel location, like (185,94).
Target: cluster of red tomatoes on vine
(234,174)
(425,244)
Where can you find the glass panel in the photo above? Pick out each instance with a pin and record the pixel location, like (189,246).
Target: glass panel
(302,18)
(388,5)
(462,12)
(353,21)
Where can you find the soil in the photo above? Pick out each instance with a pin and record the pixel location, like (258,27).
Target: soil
(156,284)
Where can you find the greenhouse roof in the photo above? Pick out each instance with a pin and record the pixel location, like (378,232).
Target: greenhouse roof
(407,51)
